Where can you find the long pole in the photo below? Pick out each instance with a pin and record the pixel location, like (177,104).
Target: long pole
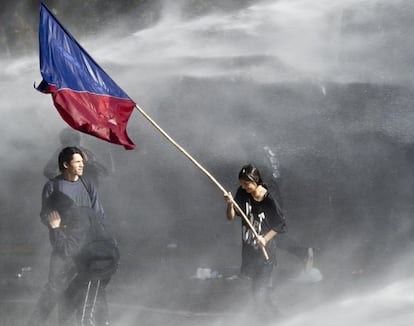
(208,174)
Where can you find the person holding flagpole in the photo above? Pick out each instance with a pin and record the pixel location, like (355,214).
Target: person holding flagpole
(265,215)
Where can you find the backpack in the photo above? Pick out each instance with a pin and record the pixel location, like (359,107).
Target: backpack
(99,257)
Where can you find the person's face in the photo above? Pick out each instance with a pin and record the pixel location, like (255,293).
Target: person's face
(248,186)
(75,167)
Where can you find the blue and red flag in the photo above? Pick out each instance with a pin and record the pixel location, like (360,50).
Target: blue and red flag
(83,93)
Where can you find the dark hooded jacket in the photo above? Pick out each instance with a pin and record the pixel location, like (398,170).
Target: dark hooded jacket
(68,239)
(83,237)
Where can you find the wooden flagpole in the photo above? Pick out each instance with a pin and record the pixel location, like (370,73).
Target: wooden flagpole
(182,150)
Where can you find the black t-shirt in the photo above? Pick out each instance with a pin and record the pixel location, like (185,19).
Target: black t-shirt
(265,215)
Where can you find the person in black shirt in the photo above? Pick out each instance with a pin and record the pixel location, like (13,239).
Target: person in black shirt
(265,215)
(67,232)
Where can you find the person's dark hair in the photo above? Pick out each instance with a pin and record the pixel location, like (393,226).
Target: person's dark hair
(66,155)
(250,173)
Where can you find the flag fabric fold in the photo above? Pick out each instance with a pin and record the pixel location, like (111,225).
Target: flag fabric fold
(83,93)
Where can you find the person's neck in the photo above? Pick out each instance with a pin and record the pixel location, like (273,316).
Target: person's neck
(259,193)
(70,177)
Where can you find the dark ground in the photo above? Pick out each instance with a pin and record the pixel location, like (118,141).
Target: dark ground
(161,289)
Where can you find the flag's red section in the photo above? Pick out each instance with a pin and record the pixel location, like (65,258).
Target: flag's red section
(104,117)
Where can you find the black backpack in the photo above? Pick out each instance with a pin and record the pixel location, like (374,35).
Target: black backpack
(99,256)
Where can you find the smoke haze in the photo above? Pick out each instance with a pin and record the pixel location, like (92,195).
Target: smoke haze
(318,94)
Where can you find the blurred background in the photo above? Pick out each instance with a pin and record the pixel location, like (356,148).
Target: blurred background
(318,94)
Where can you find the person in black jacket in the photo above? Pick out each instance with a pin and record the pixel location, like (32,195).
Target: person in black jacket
(84,194)
(73,231)
(67,233)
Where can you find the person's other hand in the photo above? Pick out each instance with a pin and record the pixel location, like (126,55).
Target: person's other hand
(54,219)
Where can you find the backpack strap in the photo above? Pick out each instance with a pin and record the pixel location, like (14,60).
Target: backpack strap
(55,185)
(87,186)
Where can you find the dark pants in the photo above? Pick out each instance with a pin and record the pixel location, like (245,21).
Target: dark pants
(264,307)
(65,289)
(86,299)
(262,283)
(260,270)
(61,273)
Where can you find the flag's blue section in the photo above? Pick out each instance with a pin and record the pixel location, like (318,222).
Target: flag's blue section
(83,93)
(65,64)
